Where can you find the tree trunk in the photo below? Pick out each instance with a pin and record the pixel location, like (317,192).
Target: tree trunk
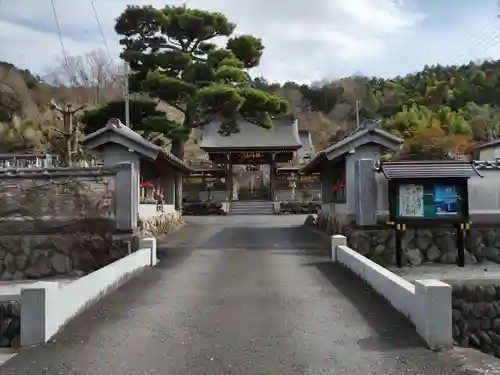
(178,150)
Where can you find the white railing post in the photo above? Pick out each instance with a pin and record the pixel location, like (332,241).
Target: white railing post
(149,243)
(38,306)
(433,313)
(337,240)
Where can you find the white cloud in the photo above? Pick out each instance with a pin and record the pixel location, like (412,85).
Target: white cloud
(29,48)
(305,40)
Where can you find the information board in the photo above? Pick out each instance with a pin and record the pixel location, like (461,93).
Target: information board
(446,200)
(411,201)
(428,201)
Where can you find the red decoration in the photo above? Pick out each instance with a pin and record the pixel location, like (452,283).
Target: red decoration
(147,184)
(151,185)
(338,185)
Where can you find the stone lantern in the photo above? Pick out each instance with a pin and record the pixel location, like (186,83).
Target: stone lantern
(209,184)
(292,179)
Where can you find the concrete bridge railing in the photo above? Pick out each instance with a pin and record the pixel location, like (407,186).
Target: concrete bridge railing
(46,307)
(426,303)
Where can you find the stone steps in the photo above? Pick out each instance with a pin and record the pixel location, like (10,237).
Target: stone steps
(252,207)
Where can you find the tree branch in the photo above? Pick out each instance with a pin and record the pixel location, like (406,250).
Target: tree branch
(75,111)
(179,48)
(252,121)
(63,133)
(178,107)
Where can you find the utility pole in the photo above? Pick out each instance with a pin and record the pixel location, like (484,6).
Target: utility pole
(98,88)
(127,96)
(70,133)
(357,113)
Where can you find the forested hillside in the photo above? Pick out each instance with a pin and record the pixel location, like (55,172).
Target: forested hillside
(441,112)
(197,68)
(27,122)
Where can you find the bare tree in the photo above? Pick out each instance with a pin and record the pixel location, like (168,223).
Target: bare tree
(91,78)
(355,88)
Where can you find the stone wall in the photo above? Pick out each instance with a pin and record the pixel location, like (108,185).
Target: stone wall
(203,208)
(476,317)
(56,223)
(63,200)
(419,246)
(292,208)
(45,256)
(10,324)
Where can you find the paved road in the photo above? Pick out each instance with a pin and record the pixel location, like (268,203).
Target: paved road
(249,296)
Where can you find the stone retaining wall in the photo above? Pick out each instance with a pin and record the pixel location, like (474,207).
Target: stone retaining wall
(10,324)
(293,208)
(43,256)
(419,246)
(476,317)
(57,221)
(203,208)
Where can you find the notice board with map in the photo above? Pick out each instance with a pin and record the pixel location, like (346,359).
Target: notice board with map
(435,200)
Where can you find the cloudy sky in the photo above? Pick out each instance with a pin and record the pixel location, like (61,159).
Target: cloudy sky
(306,40)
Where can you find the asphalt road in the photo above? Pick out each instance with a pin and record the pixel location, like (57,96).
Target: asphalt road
(239,295)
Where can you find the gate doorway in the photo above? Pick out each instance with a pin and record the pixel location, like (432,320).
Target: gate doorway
(253,182)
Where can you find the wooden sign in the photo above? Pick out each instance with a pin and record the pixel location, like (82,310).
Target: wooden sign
(310,178)
(251,155)
(253,158)
(195,180)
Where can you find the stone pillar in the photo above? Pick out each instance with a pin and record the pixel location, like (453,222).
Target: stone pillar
(167,182)
(126,196)
(229,180)
(272,178)
(114,154)
(178,187)
(366,193)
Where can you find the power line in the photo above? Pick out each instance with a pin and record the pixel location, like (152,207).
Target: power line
(484,44)
(106,46)
(126,67)
(103,37)
(477,41)
(56,18)
(492,38)
(492,41)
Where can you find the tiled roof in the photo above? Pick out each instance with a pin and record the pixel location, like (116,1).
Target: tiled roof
(493,143)
(115,125)
(487,164)
(251,136)
(428,169)
(342,147)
